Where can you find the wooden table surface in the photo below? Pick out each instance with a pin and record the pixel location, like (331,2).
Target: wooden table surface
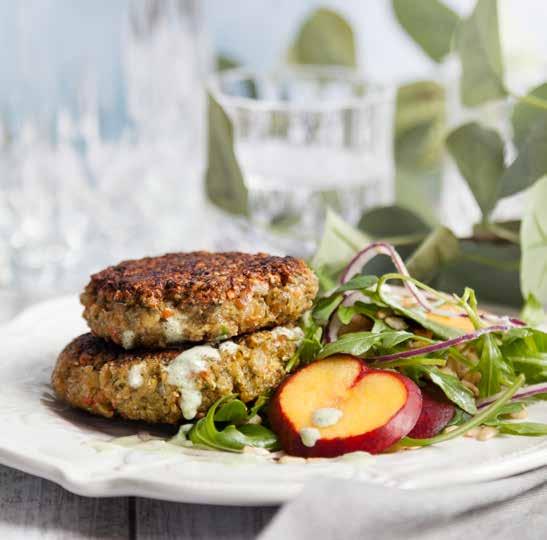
(31,507)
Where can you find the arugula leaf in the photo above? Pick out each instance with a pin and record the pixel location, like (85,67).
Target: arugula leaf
(309,347)
(234,411)
(495,370)
(454,390)
(459,418)
(359,343)
(478,153)
(527,429)
(224,182)
(326,306)
(533,312)
(533,236)
(526,350)
(324,38)
(346,313)
(478,45)
(230,438)
(430,23)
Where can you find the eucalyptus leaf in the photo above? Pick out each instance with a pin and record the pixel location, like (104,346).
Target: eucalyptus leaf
(532,312)
(418,146)
(479,48)
(531,161)
(359,343)
(526,115)
(534,243)
(430,23)
(439,248)
(393,223)
(224,182)
(478,153)
(325,38)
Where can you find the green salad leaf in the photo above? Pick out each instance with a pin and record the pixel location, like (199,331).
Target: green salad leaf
(360,343)
(479,48)
(230,438)
(325,306)
(527,429)
(310,346)
(452,387)
(494,368)
(527,352)
(430,23)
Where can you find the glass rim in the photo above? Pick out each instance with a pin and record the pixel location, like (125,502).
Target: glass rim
(377,93)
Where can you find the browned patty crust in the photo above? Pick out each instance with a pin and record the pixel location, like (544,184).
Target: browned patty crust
(198,296)
(104,379)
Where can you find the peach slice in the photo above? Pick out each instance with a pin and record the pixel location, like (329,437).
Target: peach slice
(339,405)
(437,411)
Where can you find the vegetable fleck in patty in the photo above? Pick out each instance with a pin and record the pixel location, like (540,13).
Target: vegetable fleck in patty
(198,296)
(171,385)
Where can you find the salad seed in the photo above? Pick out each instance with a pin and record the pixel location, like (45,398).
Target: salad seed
(520,415)
(473,433)
(291,459)
(471,387)
(486,433)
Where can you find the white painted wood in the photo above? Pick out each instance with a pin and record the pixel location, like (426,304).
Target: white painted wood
(164,520)
(32,508)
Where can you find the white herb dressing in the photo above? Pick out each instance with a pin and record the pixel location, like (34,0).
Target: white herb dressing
(134,377)
(294,334)
(327,416)
(128,339)
(182,371)
(309,436)
(228,347)
(172,328)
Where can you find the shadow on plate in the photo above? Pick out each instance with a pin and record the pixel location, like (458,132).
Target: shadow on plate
(113,427)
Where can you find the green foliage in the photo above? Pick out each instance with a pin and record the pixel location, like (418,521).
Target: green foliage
(439,248)
(525,115)
(478,45)
(224,182)
(430,23)
(309,347)
(527,429)
(531,161)
(478,153)
(230,437)
(393,223)
(454,390)
(532,312)
(325,38)
(339,243)
(360,343)
(418,146)
(534,243)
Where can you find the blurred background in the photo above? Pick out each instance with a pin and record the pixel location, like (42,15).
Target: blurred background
(120,136)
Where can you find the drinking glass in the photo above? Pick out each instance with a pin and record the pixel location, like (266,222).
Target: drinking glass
(101,135)
(307,138)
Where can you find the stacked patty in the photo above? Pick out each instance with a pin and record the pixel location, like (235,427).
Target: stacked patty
(172,334)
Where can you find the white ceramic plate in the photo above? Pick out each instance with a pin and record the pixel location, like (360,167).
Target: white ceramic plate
(82,453)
